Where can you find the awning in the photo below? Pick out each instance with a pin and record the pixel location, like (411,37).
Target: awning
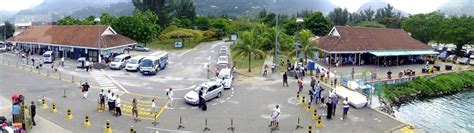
(403,53)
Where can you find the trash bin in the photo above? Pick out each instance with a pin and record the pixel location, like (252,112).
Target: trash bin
(448,67)
(437,67)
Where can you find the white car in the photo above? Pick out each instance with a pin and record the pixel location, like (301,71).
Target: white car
(119,61)
(81,62)
(3,48)
(134,63)
(471,58)
(210,90)
(223,60)
(225,78)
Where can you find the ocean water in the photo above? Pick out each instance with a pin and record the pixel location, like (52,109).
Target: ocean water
(454,113)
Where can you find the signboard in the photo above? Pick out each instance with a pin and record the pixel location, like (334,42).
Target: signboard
(178,44)
(233,37)
(311,65)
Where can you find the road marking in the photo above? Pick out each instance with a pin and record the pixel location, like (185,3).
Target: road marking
(162,109)
(209,58)
(214,104)
(191,87)
(125,90)
(182,108)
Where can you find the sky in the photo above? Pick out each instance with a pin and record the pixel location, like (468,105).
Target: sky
(16,5)
(409,6)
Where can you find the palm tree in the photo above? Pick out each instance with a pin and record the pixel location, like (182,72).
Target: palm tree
(247,46)
(306,46)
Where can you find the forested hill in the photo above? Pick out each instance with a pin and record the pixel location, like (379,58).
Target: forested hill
(458,7)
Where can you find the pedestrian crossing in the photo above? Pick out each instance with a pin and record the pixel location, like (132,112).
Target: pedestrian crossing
(105,83)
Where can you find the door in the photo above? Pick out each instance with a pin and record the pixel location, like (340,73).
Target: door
(211,93)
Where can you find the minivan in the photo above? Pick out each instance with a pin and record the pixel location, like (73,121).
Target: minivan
(48,57)
(149,65)
(120,61)
(134,62)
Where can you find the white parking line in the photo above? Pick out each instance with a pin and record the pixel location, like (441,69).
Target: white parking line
(125,90)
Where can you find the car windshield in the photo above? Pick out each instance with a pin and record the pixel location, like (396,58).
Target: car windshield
(198,88)
(46,55)
(117,60)
(225,76)
(147,63)
(220,66)
(134,61)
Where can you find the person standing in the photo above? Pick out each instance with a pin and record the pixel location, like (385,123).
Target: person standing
(208,71)
(117,106)
(352,73)
(323,96)
(275,117)
(203,101)
(313,82)
(316,93)
(345,108)
(102,100)
(300,85)
(200,99)
(16,112)
(134,109)
(108,98)
(112,103)
(265,69)
(285,79)
(87,66)
(62,61)
(170,97)
(33,61)
(334,101)
(153,107)
(85,89)
(33,112)
(329,109)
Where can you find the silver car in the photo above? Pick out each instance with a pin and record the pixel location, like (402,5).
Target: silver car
(210,90)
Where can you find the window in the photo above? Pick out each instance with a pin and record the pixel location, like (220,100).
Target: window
(211,88)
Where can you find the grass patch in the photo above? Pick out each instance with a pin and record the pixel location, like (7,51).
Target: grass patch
(427,87)
(242,63)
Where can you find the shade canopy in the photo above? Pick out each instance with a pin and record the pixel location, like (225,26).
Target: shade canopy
(403,53)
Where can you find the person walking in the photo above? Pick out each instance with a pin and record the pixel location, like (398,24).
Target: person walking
(102,96)
(323,96)
(200,99)
(345,108)
(328,109)
(208,71)
(33,61)
(153,107)
(265,69)
(352,73)
(170,97)
(300,85)
(275,117)
(203,102)
(62,61)
(285,79)
(334,101)
(316,93)
(112,103)
(87,66)
(135,109)
(313,82)
(118,102)
(85,90)
(33,112)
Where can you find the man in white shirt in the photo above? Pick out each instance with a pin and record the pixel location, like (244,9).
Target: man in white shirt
(117,106)
(170,97)
(275,117)
(62,61)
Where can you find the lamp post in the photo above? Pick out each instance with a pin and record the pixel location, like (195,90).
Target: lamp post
(276,38)
(98,39)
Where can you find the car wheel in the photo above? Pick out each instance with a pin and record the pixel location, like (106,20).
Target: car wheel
(219,95)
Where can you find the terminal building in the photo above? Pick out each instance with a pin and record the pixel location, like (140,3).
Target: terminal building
(94,42)
(378,46)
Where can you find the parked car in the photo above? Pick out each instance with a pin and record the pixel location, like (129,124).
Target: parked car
(120,61)
(225,77)
(223,51)
(3,48)
(210,90)
(450,58)
(48,57)
(463,60)
(134,63)
(81,62)
(223,59)
(443,55)
(471,58)
(141,48)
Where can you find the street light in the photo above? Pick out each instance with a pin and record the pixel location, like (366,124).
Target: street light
(276,39)
(98,39)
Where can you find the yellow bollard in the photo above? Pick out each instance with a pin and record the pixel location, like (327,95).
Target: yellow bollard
(298,95)
(54,110)
(310,128)
(302,103)
(319,124)
(69,115)
(107,129)
(44,105)
(131,129)
(309,108)
(87,123)
(332,83)
(325,80)
(315,114)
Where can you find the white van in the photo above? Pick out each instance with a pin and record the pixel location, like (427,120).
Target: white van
(48,57)
(119,61)
(225,78)
(150,65)
(134,62)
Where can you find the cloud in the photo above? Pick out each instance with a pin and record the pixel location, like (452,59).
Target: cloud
(410,6)
(16,5)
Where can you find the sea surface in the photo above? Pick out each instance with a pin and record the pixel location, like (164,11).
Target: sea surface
(453,113)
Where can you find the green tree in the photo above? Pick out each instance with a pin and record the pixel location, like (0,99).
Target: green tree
(247,46)
(203,22)
(424,27)
(107,19)
(339,16)
(162,8)
(372,24)
(69,20)
(184,9)
(222,27)
(306,46)
(460,31)
(318,24)
(7,30)
(140,27)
